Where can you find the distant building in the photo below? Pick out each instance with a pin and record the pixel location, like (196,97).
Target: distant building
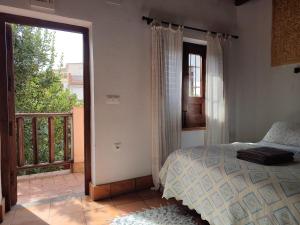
(72,78)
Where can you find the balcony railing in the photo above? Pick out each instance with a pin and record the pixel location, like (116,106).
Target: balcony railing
(66,161)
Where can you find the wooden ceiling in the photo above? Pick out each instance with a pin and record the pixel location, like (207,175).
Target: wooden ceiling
(240,2)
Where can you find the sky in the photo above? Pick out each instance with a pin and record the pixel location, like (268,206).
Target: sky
(71,45)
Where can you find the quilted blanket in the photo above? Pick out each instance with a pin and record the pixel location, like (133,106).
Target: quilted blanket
(229,191)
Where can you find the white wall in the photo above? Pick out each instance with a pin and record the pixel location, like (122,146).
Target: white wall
(192,138)
(121,54)
(262,94)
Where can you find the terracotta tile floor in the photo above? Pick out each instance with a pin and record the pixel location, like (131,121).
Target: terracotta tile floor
(43,189)
(83,211)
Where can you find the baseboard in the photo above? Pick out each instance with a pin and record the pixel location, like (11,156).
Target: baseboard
(43,175)
(2,210)
(98,192)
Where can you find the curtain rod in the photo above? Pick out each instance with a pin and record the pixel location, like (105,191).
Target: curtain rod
(149,21)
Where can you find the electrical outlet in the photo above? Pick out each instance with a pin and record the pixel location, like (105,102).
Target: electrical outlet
(117,146)
(113,99)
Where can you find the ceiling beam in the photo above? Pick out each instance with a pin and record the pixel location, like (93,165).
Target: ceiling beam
(240,2)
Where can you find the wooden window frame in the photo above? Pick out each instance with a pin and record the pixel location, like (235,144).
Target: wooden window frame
(198,49)
(22,20)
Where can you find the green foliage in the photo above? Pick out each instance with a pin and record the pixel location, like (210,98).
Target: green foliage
(39,87)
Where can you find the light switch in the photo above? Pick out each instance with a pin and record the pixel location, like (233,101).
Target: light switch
(42,5)
(112,99)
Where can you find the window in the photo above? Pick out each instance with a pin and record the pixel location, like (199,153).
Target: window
(193,86)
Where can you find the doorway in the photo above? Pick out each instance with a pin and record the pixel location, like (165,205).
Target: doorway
(15,159)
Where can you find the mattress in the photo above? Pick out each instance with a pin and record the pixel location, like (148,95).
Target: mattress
(229,191)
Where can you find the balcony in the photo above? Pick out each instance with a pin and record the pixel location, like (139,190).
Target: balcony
(49,155)
(23,163)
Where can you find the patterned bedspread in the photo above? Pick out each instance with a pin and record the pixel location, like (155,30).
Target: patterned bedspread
(228,191)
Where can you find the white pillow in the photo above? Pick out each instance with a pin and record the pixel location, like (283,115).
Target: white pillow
(285,133)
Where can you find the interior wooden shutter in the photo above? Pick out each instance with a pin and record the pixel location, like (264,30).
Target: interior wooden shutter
(7,118)
(11,115)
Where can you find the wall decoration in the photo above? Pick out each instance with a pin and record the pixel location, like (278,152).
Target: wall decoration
(286,32)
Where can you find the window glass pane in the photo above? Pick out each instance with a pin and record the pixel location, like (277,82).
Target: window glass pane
(192,70)
(198,77)
(195,70)
(198,91)
(198,60)
(191,80)
(192,60)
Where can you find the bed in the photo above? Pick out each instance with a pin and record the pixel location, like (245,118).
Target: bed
(229,191)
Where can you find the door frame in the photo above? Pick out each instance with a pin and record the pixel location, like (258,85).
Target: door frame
(22,20)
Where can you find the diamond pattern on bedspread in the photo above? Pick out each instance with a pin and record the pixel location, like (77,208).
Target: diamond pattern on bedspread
(284,216)
(269,194)
(227,191)
(252,203)
(290,188)
(258,176)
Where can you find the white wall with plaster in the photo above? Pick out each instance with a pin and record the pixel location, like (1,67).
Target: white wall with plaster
(262,94)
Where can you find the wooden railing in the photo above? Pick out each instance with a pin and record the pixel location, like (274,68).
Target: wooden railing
(67,135)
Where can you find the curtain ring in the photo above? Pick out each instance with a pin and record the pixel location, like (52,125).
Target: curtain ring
(208,34)
(156,23)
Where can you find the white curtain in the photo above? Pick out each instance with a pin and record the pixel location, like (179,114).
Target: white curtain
(216,119)
(166,95)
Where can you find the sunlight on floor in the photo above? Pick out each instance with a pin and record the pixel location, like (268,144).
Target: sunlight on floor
(83,211)
(39,189)
(60,200)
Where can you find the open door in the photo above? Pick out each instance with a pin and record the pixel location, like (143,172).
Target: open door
(7,101)
(7,119)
